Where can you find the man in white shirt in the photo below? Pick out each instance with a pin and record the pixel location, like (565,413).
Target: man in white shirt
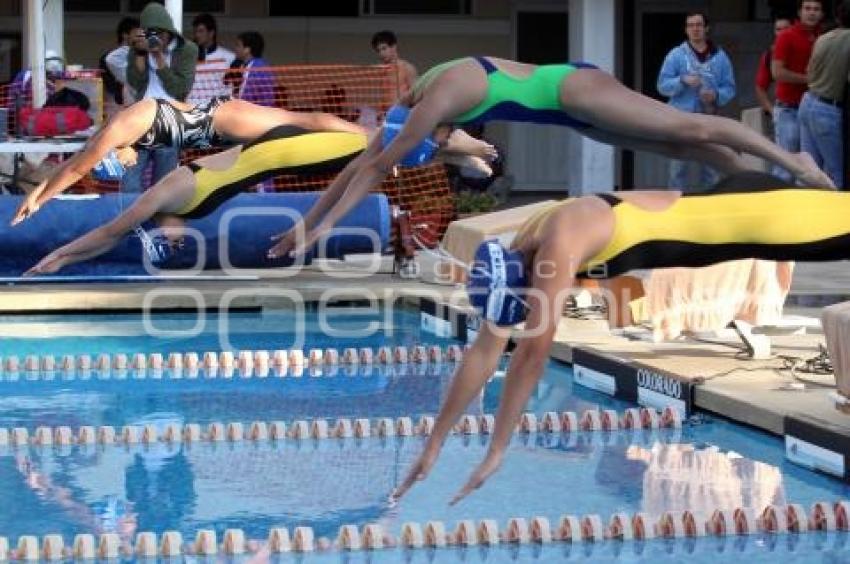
(114,65)
(213,61)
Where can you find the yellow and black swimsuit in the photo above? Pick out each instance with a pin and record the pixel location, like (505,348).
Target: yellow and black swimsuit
(282,150)
(805,225)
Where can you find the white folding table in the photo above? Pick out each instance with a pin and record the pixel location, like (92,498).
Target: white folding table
(20,146)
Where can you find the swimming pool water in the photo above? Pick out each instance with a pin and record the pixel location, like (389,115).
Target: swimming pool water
(709,463)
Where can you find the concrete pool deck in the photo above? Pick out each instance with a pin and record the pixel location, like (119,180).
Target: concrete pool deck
(693,374)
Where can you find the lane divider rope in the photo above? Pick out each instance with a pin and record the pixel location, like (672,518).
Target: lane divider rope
(773,519)
(566,422)
(246,362)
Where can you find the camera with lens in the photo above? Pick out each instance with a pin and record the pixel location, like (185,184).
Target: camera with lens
(154,40)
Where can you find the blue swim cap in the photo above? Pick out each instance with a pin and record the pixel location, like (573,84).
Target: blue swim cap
(419,155)
(157,247)
(109,168)
(497,282)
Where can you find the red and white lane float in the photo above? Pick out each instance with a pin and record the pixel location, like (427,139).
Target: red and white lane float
(718,523)
(404,427)
(343,428)
(745,521)
(671,525)
(385,355)
(540,530)
(454,353)
(610,420)
(435,534)
(528,423)
(465,533)
(303,540)
(569,529)
(146,545)
(590,421)
(412,535)
(620,527)
(592,529)
(206,543)
(649,418)
(84,547)
(822,516)
(569,422)
(279,540)
(774,519)
(842,515)
(518,531)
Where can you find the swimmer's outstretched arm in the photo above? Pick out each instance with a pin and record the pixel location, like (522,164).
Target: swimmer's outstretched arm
(122,130)
(477,366)
(424,118)
(100,240)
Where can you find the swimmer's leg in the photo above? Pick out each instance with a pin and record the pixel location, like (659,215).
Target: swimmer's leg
(718,157)
(600,100)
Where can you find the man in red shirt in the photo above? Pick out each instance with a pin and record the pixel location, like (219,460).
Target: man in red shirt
(764,76)
(791,53)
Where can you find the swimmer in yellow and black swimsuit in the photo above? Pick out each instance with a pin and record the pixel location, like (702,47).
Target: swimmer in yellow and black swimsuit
(603,236)
(196,190)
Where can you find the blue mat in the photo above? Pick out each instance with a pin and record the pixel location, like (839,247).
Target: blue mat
(239,233)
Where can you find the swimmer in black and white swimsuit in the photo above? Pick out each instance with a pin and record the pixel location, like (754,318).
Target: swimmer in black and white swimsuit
(173,127)
(154,123)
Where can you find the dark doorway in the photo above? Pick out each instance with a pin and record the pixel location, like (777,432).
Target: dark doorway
(661,32)
(542,37)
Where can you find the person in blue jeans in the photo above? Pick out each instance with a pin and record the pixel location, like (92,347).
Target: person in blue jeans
(821,111)
(697,77)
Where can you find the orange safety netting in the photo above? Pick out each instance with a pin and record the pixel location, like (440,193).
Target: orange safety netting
(356,93)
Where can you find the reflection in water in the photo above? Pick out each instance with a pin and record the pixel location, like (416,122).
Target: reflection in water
(190,486)
(681,476)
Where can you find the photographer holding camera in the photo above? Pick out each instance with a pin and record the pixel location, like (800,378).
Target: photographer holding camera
(161,64)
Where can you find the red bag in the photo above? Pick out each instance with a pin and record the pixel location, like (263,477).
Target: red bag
(53,120)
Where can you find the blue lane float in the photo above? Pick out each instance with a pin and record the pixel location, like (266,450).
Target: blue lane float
(242,228)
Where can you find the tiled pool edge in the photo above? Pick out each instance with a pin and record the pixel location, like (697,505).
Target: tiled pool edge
(810,441)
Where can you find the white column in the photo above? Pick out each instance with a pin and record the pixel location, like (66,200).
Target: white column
(593,27)
(175,10)
(34,34)
(54,27)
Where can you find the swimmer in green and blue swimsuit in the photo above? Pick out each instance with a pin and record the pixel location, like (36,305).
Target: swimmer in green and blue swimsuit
(578,95)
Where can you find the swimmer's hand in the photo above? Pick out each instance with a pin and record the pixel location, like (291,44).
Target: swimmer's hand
(486,469)
(418,472)
(48,265)
(296,243)
(30,204)
(284,243)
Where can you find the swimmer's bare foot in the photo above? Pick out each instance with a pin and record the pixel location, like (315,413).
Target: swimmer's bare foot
(462,142)
(474,167)
(810,174)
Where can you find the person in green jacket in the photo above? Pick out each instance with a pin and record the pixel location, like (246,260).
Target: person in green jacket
(161,64)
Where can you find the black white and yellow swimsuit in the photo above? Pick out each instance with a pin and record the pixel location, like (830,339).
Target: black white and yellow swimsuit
(702,229)
(282,150)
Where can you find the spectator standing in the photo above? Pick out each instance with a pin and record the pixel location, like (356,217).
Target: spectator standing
(791,53)
(822,108)
(114,65)
(385,44)
(213,61)
(258,84)
(160,64)
(697,77)
(764,76)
